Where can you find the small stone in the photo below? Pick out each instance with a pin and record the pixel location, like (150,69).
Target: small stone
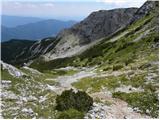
(96,110)
(102,115)
(86,117)
(147,111)
(125,117)
(130,89)
(92,115)
(135,109)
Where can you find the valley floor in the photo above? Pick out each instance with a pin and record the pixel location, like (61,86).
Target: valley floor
(34,97)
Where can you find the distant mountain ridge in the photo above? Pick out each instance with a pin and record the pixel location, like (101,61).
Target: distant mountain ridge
(36,30)
(13,21)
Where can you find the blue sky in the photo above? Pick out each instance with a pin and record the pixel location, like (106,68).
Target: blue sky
(63,9)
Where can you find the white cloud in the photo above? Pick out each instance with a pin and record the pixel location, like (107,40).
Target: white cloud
(123,3)
(15,4)
(49,4)
(120,1)
(112,1)
(63,10)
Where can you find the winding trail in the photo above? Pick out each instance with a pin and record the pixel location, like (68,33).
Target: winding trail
(65,82)
(118,109)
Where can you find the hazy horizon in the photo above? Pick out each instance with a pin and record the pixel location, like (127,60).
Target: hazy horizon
(42,18)
(62,9)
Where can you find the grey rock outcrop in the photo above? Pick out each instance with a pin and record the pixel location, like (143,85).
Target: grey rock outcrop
(100,24)
(15,72)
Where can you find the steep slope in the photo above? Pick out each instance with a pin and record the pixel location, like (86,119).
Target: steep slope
(97,25)
(18,52)
(148,7)
(13,71)
(36,30)
(23,91)
(10,50)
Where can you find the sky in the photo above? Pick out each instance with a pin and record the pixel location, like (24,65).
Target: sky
(62,9)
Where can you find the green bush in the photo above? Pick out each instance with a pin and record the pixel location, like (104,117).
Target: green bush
(138,80)
(80,101)
(107,68)
(128,61)
(71,114)
(117,67)
(145,66)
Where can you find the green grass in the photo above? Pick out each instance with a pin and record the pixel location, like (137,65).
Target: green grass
(117,67)
(111,82)
(71,114)
(46,109)
(62,72)
(5,75)
(42,66)
(143,21)
(48,76)
(106,102)
(14,80)
(96,84)
(135,81)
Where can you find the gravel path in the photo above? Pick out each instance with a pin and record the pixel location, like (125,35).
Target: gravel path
(118,109)
(113,109)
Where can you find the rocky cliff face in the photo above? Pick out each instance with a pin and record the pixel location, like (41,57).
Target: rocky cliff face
(145,9)
(97,25)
